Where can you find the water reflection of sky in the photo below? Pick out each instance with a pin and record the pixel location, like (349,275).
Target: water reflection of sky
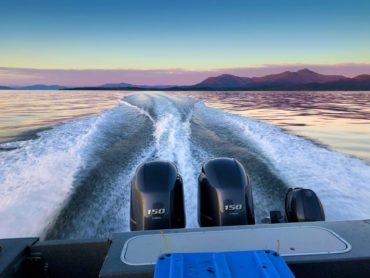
(340,120)
(23,112)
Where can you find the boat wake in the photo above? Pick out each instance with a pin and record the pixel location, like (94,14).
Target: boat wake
(74,180)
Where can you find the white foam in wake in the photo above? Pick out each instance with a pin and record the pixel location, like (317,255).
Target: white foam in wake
(37,178)
(172,142)
(341,181)
(172,136)
(138,109)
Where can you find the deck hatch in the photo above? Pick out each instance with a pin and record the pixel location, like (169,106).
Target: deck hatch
(291,241)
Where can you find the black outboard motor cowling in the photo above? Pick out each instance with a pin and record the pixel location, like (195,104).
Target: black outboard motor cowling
(157,197)
(224,194)
(303,205)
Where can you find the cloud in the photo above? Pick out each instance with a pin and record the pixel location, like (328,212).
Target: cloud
(93,77)
(10,75)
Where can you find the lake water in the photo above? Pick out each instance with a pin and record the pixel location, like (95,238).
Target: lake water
(67,157)
(340,120)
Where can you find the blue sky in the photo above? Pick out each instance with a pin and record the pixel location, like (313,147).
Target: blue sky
(187,35)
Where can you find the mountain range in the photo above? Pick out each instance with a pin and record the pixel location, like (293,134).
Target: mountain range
(5,88)
(304,79)
(288,80)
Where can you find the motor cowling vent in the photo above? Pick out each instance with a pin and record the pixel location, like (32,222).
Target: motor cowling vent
(224,194)
(303,205)
(157,198)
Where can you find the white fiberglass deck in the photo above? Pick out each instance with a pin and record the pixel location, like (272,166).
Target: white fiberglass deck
(288,241)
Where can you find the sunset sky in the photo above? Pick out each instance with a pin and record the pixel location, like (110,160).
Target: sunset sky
(178,42)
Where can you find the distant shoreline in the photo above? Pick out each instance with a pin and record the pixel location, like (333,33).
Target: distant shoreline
(301,80)
(212,89)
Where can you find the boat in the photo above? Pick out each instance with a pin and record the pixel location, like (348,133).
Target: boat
(308,245)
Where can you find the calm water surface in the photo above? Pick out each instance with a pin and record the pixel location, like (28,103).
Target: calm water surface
(22,112)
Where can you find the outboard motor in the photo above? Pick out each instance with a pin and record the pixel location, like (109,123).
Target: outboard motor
(224,194)
(303,205)
(157,197)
